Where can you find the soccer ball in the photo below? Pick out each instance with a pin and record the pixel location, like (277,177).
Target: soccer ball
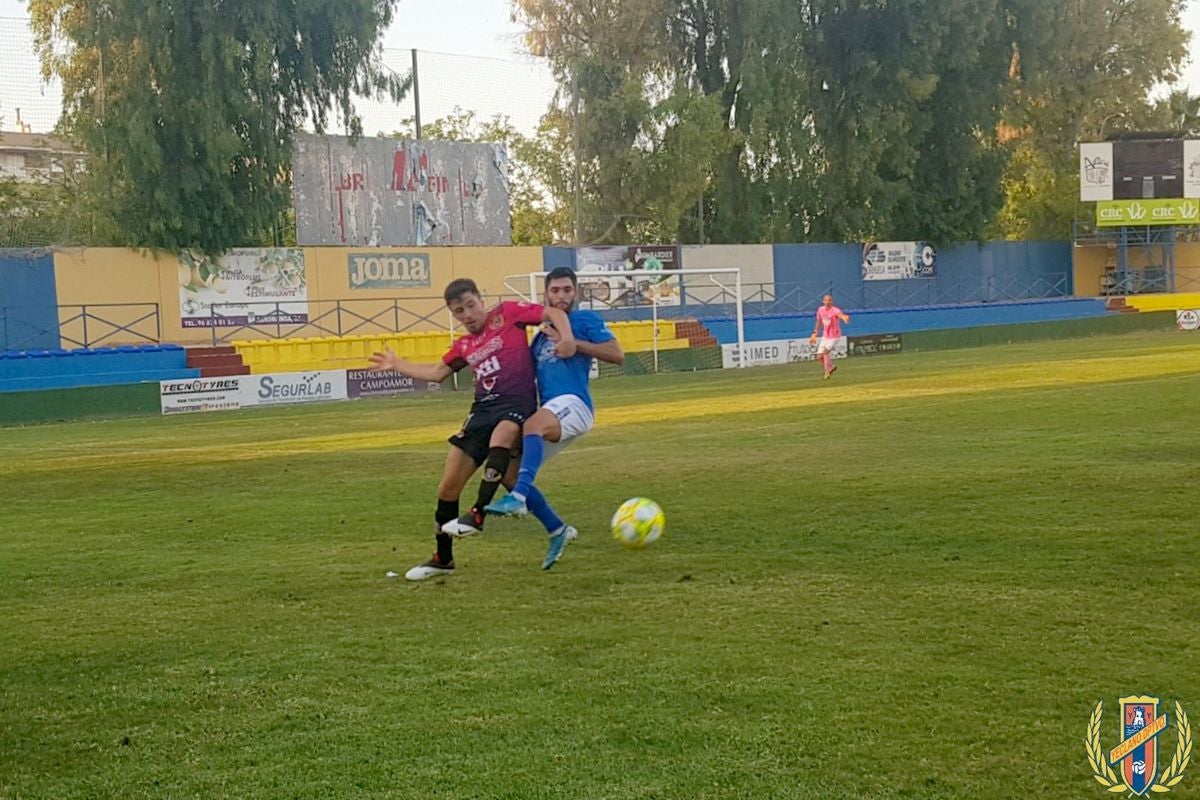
(638,522)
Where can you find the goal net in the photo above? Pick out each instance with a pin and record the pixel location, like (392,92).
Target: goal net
(666,321)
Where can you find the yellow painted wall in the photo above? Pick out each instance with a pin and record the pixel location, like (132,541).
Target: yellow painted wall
(490,266)
(1088,267)
(121,286)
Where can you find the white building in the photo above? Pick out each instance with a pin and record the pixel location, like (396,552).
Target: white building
(36,157)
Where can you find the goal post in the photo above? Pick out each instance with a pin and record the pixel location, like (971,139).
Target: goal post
(666,321)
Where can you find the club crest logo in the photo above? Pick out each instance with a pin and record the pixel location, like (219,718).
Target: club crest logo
(1133,765)
(1095,170)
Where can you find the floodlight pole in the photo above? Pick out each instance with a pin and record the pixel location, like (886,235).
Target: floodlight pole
(575,143)
(416,94)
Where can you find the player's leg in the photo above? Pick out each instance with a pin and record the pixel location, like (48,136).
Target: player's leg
(459,468)
(572,418)
(501,441)
(542,427)
(560,532)
(823,350)
(558,422)
(500,450)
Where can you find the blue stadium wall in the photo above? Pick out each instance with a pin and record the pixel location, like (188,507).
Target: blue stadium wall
(28,301)
(978,283)
(865,322)
(967,273)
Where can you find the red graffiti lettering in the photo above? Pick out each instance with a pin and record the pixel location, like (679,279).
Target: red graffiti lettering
(410,172)
(350,182)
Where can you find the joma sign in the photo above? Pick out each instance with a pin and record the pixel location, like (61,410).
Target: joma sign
(388,270)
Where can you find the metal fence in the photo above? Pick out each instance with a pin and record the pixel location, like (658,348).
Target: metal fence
(348,317)
(698,299)
(89,325)
(778,299)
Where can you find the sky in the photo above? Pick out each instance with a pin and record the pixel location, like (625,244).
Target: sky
(499,77)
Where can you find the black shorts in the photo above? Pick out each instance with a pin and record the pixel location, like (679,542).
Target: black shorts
(476,435)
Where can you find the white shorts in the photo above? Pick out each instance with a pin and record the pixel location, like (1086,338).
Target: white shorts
(575,418)
(826,345)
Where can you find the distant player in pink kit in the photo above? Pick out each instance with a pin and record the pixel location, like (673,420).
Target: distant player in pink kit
(496,349)
(829,324)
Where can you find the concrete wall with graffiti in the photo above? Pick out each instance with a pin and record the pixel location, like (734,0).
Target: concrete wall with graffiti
(387,192)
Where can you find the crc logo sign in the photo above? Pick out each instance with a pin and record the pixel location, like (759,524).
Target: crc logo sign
(388,270)
(1147,212)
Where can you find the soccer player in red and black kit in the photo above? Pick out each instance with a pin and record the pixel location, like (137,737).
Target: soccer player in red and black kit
(496,349)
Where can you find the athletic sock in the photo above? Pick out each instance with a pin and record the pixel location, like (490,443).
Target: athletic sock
(446,510)
(540,508)
(493,473)
(531,461)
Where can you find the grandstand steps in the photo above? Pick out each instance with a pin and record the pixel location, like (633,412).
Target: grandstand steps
(222,372)
(216,362)
(696,334)
(1119,305)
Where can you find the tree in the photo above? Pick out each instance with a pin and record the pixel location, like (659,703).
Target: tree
(188,108)
(1083,70)
(820,120)
(648,144)
(855,119)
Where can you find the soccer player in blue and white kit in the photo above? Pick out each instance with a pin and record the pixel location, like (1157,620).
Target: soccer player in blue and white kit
(566,412)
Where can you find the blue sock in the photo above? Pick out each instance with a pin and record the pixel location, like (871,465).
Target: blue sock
(534,448)
(540,508)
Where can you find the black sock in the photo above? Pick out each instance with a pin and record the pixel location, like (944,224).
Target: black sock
(493,473)
(446,511)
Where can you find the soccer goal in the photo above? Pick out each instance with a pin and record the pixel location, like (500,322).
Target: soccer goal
(666,321)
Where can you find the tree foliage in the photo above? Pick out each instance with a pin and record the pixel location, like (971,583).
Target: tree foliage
(849,119)
(1085,69)
(188,108)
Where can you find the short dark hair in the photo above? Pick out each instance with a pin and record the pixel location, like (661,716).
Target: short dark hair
(561,272)
(458,287)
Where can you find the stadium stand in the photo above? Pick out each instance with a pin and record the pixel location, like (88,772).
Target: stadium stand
(351,352)
(24,370)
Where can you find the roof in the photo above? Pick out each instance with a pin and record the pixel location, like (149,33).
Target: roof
(12,140)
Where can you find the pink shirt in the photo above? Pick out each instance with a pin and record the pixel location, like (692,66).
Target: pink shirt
(499,354)
(830,322)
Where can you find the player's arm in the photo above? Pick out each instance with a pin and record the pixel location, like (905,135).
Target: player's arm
(816,327)
(389,361)
(566,346)
(609,351)
(595,340)
(845,318)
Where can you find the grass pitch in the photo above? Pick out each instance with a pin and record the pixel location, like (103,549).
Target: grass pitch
(913,581)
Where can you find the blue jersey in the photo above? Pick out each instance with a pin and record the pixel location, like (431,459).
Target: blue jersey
(560,376)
